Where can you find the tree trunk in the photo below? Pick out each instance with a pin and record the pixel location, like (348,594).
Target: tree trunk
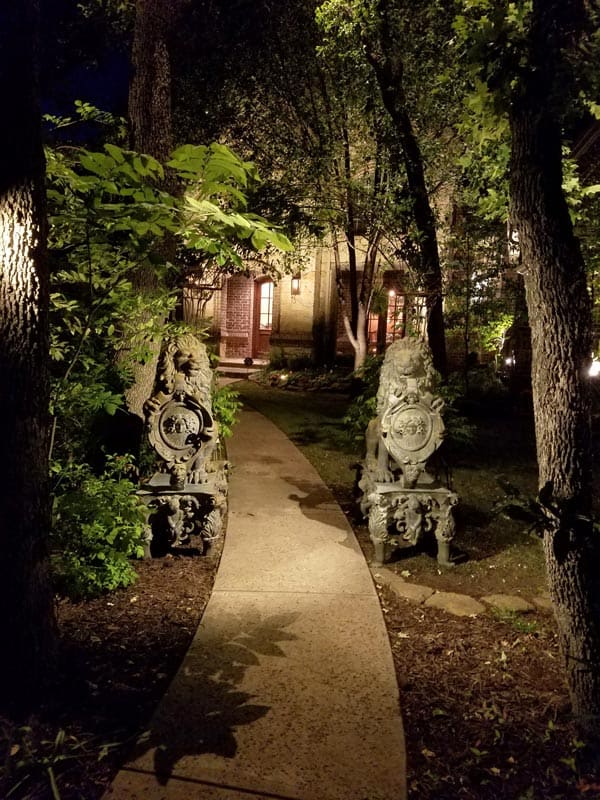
(150,86)
(355,327)
(27,623)
(151,133)
(560,319)
(383,55)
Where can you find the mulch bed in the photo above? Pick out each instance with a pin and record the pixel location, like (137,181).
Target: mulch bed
(484,705)
(119,654)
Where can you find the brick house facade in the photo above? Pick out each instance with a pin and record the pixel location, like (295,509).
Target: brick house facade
(251,317)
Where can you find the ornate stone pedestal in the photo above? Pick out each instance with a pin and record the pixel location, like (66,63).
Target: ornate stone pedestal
(397,490)
(189,516)
(414,513)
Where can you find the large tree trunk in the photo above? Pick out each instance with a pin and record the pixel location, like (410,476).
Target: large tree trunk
(559,313)
(27,624)
(150,86)
(151,133)
(384,57)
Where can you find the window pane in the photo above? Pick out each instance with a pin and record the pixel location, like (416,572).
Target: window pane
(266,305)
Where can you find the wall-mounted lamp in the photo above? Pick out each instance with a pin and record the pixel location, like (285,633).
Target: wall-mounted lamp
(296,284)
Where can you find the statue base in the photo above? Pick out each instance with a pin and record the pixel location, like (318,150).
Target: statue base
(190,516)
(414,512)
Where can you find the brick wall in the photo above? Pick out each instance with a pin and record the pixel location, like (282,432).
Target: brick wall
(236,330)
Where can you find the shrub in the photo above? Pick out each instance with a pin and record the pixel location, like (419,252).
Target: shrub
(363,407)
(277,358)
(478,391)
(98,526)
(226,406)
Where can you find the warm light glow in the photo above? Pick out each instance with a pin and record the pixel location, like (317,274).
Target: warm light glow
(509,361)
(296,284)
(594,369)
(514,249)
(391,293)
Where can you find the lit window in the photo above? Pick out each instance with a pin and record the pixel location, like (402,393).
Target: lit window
(266,306)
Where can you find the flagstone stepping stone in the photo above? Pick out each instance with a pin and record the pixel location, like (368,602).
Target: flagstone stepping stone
(543,602)
(410,591)
(461,605)
(508,602)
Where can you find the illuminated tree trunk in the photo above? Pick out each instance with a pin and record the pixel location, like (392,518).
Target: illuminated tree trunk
(151,133)
(560,319)
(27,624)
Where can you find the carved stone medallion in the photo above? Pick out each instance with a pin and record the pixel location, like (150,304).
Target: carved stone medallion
(176,428)
(411,431)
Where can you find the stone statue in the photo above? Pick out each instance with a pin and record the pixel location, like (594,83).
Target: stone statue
(188,496)
(407,430)
(179,417)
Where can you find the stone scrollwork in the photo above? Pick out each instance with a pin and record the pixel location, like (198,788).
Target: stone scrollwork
(396,487)
(188,496)
(379,528)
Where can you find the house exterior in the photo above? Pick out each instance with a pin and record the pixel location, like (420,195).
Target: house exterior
(252,317)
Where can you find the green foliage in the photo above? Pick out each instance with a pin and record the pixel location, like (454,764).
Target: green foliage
(520,623)
(494,36)
(86,113)
(277,358)
(363,407)
(108,210)
(33,767)
(474,310)
(460,433)
(494,331)
(280,360)
(215,219)
(226,407)
(493,41)
(98,526)
(105,213)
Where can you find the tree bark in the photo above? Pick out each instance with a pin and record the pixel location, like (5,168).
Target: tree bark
(384,57)
(560,319)
(27,622)
(151,133)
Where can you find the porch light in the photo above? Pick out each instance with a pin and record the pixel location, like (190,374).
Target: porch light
(391,293)
(296,284)
(594,369)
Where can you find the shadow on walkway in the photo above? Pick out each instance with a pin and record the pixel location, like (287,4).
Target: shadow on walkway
(212,713)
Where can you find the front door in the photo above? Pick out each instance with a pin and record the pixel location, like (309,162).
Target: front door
(263,318)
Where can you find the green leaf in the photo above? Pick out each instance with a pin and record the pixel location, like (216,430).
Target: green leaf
(115,152)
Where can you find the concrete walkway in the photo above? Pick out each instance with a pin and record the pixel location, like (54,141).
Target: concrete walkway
(288,690)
